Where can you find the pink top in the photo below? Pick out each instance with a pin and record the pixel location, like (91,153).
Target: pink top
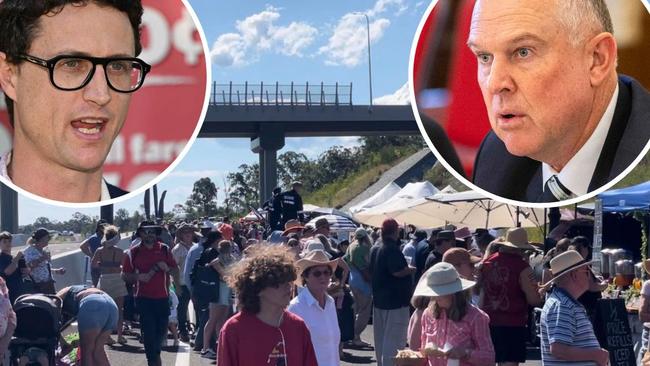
(415,330)
(472,332)
(6,311)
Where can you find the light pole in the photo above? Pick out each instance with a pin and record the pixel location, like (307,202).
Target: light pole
(369,63)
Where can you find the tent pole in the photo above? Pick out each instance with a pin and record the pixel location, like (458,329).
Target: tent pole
(517,213)
(545,223)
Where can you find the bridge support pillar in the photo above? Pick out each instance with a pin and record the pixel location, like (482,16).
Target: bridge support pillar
(8,209)
(267,144)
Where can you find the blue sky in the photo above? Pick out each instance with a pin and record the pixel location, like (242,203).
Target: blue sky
(284,41)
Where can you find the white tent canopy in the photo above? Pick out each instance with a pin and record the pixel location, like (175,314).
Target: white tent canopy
(463,208)
(384,194)
(411,194)
(324,210)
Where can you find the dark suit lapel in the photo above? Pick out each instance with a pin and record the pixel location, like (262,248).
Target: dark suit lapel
(535,189)
(616,130)
(115,191)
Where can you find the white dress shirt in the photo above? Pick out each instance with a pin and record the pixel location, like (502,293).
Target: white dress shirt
(5,160)
(322,323)
(577,173)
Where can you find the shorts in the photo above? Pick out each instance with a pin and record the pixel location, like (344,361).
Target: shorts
(113,285)
(97,311)
(225,294)
(509,343)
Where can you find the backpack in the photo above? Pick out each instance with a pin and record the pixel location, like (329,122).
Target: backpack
(204,279)
(202,273)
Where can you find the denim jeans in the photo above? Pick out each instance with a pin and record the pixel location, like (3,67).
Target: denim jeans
(202,310)
(154,317)
(183,302)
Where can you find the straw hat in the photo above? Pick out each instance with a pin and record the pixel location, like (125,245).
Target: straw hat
(440,280)
(186,227)
(315,258)
(293,229)
(313,245)
(564,263)
(517,238)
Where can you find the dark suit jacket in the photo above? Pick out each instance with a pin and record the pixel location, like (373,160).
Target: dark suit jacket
(520,178)
(115,191)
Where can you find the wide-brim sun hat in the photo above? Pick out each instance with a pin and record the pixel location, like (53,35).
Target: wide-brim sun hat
(313,245)
(315,258)
(440,280)
(564,263)
(517,238)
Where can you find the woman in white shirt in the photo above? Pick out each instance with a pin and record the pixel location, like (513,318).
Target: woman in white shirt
(316,307)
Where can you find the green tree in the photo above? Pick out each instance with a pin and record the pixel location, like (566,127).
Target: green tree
(203,197)
(293,166)
(123,220)
(243,188)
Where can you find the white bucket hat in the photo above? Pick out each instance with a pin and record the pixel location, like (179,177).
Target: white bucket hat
(564,263)
(440,280)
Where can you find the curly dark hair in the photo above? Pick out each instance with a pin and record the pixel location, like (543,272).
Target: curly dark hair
(19,24)
(265,266)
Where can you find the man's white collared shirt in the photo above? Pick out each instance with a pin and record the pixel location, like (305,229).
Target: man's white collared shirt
(577,173)
(322,323)
(5,160)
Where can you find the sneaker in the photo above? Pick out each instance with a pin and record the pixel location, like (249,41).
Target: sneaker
(121,340)
(185,338)
(110,341)
(209,354)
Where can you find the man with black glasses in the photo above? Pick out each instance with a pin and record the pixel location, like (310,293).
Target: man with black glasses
(67,69)
(149,265)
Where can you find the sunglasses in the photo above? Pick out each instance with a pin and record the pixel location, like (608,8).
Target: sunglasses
(319,273)
(149,232)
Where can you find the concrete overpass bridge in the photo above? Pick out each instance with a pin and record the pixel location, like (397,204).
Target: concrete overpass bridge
(267,114)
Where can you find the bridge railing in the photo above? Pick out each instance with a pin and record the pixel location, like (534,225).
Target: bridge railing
(281,94)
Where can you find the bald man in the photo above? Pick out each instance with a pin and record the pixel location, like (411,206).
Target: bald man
(564,123)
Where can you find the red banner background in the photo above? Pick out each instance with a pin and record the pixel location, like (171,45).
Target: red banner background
(165,112)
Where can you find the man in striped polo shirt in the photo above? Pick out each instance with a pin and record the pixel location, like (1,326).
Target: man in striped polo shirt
(567,334)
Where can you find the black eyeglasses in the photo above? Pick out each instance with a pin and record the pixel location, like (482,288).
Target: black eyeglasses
(69,73)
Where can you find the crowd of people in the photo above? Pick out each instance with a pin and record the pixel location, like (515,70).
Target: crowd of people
(300,296)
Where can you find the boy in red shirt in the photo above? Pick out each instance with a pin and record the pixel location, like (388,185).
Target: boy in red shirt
(149,265)
(263,332)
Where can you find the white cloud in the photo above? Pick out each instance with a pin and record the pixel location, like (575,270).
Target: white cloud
(258,33)
(294,38)
(399,97)
(382,6)
(348,44)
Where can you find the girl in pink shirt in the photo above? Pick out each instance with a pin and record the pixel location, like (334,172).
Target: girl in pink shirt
(453,330)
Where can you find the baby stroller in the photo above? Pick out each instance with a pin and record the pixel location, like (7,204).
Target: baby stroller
(38,328)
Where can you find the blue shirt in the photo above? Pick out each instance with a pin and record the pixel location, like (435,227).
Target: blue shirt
(193,255)
(94,242)
(564,320)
